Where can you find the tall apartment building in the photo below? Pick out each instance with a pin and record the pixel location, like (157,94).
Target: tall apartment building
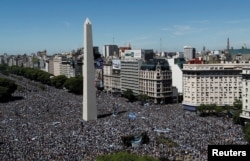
(67,69)
(51,65)
(189,52)
(211,83)
(1,59)
(245,93)
(107,75)
(110,50)
(57,61)
(176,65)
(111,74)
(129,74)
(155,80)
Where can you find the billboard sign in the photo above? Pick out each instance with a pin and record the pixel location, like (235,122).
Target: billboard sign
(99,63)
(133,54)
(116,64)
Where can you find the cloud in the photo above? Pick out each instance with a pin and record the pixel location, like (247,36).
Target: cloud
(200,22)
(66,23)
(178,30)
(237,21)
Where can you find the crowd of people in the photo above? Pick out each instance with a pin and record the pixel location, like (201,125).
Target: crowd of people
(46,124)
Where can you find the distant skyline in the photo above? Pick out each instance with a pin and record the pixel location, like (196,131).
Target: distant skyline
(28,26)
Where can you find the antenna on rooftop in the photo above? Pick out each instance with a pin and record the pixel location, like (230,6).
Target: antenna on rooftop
(160,46)
(228,45)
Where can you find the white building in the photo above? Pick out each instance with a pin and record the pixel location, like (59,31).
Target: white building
(111,74)
(245,93)
(144,54)
(177,75)
(67,69)
(211,83)
(107,75)
(57,61)
(129,74)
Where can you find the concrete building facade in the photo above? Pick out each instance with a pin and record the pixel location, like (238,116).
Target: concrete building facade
(112,78)
(211,83)
(155,80)
(189,52)
(110,50)
(57,61)
(129,74)
(245,94)
(176,68)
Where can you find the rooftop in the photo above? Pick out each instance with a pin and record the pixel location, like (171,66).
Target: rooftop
(239,51)
(152,63)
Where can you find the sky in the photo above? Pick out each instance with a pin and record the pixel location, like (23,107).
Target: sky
(28,26)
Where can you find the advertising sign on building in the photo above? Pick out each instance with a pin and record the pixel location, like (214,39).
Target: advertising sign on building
(133,54)
(116,64)
(99,63)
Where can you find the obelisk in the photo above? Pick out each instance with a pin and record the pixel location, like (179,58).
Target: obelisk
(89,91)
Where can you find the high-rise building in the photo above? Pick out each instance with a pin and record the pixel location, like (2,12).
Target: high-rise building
(245,94)
(110,50)
(57,61)
(129,74)
(51,65)
(155,80)
(111,73)
(189,52)
(228,44)
(89,90)
(219,84)
(176,65)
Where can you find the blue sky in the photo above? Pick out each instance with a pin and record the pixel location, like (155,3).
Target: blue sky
(28,26)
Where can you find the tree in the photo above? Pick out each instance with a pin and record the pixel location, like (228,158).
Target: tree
(218,110)
(7,87)
(201,109)
(58,81)
(74,84)
(211,108)
(142,97)
(124,156)
(129,95)
(237,110)
(237,104)
(4,69)
(247,133)
(3,92)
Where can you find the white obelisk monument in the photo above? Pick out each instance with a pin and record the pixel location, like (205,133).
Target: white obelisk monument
(89,90)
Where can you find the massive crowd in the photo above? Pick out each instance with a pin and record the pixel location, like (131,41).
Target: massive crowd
(46,124)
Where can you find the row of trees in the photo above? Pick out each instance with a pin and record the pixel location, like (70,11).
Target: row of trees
(230,111)
(4,69)
(7,87)
(124,156)
(31,73)
(131,97)
(73,84)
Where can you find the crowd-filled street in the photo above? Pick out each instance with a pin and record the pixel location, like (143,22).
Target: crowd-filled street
(46,124)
